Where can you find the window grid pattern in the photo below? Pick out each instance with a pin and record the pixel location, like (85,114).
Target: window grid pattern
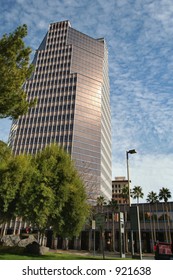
(70,84)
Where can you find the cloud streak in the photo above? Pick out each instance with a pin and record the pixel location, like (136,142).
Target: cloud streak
(139,36)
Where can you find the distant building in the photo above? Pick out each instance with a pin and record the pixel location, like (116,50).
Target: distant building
(71,85)
(117,187)
(156,223)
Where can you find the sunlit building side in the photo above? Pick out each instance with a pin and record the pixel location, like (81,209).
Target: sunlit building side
(71,85)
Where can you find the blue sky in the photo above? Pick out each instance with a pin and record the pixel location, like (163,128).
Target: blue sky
(139,35)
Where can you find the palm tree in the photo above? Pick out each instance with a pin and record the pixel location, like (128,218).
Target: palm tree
(101,201)
(125,193)
(165,194)
(114,206)
(137,193)
(152,197)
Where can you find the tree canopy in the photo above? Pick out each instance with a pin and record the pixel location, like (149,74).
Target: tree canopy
(45,190)
(164,194)
(12,174)
(70,201)
(137,193)
(113,204)
(152,197)
(5,152)
(125,193)
(14,70)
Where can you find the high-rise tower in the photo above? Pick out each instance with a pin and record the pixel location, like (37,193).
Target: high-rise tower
(71,85)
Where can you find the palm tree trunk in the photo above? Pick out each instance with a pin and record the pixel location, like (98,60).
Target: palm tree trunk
(168,222)
(164,216)
(113,231)
(154,228)
(151,225)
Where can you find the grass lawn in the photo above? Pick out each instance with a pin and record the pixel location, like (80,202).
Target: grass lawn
(48,256)
(11,253)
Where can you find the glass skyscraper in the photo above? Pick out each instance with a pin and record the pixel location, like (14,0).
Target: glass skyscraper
(71,85)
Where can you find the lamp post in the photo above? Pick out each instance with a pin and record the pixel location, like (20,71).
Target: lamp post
(128,179)
(129,197)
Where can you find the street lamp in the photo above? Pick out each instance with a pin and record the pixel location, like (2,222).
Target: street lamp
(128,179)
(129,196)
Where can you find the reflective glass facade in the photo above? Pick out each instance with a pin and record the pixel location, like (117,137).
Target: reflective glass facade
(71,85)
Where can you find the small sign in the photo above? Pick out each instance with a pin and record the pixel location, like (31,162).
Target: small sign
(121,217)
(93,224)
(100,219)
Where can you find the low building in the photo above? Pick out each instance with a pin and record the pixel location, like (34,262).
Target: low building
(118,184)
(156,223)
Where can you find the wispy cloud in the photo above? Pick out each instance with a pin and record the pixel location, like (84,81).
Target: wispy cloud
(139,35)
(155,171)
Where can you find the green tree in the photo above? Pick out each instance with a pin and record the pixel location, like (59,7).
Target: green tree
(11,177)
(74,219)
(44,190)
(23,194)
(66,207)
(137,193)
(113,205)
(5,152)
(164,194)
(14,70)
(152,197)
(36,201)
(101,201)
(125,193)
